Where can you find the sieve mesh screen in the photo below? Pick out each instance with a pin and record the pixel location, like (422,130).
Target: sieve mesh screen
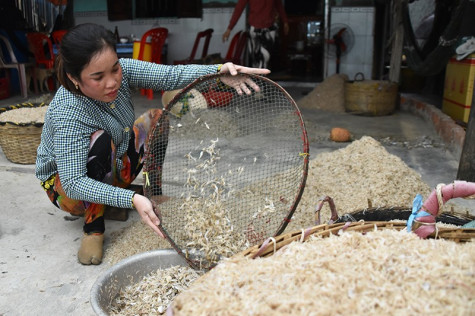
(225,171)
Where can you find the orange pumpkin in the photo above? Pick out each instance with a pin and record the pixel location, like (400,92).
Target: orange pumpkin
(338,134)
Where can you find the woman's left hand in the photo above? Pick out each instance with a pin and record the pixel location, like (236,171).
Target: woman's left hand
(241,83)
(145,209)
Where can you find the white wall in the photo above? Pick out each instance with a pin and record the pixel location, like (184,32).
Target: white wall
(182,32)
(360,58)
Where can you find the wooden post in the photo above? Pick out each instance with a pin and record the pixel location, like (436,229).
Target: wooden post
(466,169)
(397,41)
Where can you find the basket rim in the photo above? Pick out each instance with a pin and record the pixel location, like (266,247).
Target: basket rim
(19,106)
(273,244)
(462,214)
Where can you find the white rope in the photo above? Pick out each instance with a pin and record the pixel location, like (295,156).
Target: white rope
(440,198)
(274,242)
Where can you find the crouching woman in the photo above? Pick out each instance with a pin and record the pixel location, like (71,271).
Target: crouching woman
(92,146)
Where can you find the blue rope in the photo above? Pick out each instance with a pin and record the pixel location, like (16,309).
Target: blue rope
(416,206)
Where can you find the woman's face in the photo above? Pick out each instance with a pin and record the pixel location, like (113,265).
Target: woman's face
(101,78)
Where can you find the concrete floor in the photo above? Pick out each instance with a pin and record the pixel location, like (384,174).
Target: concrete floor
(39,272)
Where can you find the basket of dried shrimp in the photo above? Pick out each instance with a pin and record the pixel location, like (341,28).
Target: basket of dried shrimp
(358,268)
(271,245)
(348,267)
(450,224)
(20,131)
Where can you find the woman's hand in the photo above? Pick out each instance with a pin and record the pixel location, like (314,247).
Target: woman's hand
(286,28)
(241,83)
(145,209)
(226,35)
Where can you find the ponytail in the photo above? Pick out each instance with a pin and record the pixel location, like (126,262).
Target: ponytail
(62,76)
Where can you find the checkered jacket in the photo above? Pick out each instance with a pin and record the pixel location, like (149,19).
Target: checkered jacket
(71,120)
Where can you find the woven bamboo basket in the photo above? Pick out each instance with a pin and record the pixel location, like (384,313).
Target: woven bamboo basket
(370,97)
(19,141)
(273,281)
(379,214)
(271,245)
(363,221)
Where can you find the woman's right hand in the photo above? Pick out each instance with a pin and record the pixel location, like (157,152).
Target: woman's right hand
(241,84)
(145,209)
(226,35)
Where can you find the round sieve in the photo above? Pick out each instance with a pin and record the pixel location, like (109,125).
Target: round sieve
(225,171)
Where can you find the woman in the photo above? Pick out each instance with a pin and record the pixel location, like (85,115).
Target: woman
(261,18)
(91,145)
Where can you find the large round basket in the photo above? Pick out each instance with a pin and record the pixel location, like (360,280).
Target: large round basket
(270,246)
(289,278)
(370,97)
(19,141)
(363,221)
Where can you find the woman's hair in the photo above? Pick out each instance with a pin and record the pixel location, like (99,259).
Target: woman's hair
(78,46)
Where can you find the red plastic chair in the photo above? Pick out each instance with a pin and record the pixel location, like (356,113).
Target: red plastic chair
(42,48)
(236,48)
(156,38)
(232,46)
(57,36)
(206,35)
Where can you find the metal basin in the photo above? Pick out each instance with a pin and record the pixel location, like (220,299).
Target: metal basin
(130,271)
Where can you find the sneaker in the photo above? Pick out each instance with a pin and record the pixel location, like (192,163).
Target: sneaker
(466,48)
(90,251)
